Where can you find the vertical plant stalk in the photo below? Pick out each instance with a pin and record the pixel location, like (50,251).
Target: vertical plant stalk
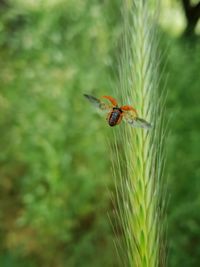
(139,152)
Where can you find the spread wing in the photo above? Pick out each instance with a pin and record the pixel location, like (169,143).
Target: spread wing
(97,103)
(136,122)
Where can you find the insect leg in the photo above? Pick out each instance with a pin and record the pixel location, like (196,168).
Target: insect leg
(111,99)
(128,108)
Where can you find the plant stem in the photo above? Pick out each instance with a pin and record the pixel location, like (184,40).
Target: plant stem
(139,162)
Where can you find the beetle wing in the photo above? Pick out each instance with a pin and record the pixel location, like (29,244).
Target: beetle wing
(136,122)
(97,103)
(111,99)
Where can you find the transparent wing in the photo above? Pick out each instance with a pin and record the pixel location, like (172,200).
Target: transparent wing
(136,122)
(141,123)
(97,103)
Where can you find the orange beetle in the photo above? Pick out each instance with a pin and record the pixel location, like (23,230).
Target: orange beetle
(116,113)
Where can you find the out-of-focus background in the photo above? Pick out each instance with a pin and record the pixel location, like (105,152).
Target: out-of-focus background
(55,172)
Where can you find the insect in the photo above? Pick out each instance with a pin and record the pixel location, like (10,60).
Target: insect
(115,114)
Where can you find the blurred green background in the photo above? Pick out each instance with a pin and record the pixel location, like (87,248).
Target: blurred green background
(55,170)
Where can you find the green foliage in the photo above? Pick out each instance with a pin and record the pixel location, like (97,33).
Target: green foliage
(52,172)
(183,153)
(54,166)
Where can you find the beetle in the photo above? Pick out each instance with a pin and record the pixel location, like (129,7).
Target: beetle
(116,113)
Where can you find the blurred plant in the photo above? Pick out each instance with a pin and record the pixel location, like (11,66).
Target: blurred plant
(183,150)
(139,161)
(51,213)
(192,14)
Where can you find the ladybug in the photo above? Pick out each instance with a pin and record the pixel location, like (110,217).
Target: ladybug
(116,113)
